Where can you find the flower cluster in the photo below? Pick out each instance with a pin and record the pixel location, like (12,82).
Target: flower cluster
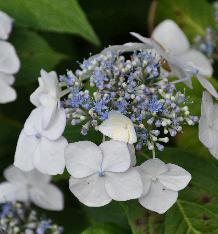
(9,63)
(207,44)
(133,84)
(19,218)
(125,92)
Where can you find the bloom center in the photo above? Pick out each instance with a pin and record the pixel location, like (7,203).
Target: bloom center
(101,173)
(38,136)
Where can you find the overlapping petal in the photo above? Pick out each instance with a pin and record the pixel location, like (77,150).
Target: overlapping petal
(90,190)
(83,159)
(124,186)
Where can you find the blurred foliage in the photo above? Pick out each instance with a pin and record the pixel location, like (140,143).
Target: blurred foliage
(50,34)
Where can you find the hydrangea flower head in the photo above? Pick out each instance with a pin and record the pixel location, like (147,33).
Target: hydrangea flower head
(127,85)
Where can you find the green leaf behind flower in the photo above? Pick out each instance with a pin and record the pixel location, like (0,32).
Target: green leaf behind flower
(51,15)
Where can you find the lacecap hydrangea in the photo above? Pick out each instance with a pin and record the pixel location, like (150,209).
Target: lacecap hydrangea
(131,80)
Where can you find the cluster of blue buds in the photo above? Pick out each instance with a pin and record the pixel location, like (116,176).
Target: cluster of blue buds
(133,83)
(17,218)
(207,43)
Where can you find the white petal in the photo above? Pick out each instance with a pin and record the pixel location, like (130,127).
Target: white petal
(48,197)
(158,199)
(49,114)
(8,78)
(15,175)
(207,106)
(154,167)
(7,192)
(83,158)
(214,149)
(205,132)
(37,178)
(34,97)
(207,85)
(116,156)
(145,40)
(9,62)
(146,180)
(171,37)
(118,127)
(198,61)
(124,186)
(49,156)
(90,190)
(132,154)
(56,126)
(26,146)
(5,25)
(176,178)
(34,123)
(50,80)
(11,192)
(7,93)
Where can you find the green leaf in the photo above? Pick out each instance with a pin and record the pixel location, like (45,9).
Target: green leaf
(64,16)
(73,134)
(34,53)
(104,228)
(192,16)
(111,213)
(142,221)
(196,210)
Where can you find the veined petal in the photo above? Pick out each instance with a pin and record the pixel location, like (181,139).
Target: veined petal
(49,156)
(9,62)
(26,147)
(124,186)
(48,197)
(176,178)
(158,199)
(5,25)
(154,167)
(90,190)
(116,156)
(171,37)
